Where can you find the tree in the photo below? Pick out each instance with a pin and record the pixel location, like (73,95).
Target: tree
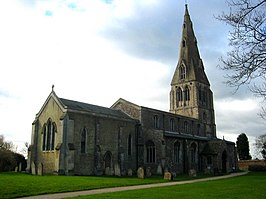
(9,159)
(260,145)
(242,145)
(246,62)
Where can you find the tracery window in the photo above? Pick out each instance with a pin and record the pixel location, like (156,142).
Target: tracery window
(150,152)
(182,72)
(49,130)
(179,94)
(186,94)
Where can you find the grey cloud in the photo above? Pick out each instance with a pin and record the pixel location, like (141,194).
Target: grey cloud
(246,122)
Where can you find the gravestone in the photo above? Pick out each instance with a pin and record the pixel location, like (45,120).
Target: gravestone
(40,169)
(192,173)
(129,172)
(16,169)
(140,173)
(108,171)
(148,172)
(168,176)
(159,170)
(117,170)
(20,167)
(33,169)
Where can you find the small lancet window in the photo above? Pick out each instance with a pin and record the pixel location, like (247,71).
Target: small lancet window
(186,94)
(183,43)
(179,94)
(182,72)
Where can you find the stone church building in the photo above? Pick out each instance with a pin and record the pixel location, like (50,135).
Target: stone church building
(76,138)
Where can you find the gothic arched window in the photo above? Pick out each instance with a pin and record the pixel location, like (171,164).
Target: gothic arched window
(49,131)
(108,160)
(150,152)
(83,140)
(186,94)
(179,95)
(44,137)
(182,72)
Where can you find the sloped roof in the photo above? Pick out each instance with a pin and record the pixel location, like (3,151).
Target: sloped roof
(90,108)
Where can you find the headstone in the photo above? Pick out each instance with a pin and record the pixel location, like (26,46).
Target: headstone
(129,172)
(20,167)
(117,170)
(16,169)
(140,173)
(33,169)
(159,170)
(108,171)
(168,176)
(148,172)
(192,173)
(40,169)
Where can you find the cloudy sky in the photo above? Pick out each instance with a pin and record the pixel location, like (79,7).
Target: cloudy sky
(100,50)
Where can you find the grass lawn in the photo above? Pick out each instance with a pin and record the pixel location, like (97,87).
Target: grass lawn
(19,184)
(248,186)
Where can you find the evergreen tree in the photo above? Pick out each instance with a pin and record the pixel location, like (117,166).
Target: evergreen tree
(242,145)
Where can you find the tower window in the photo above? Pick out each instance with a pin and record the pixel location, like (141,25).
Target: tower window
(186,94)
(183,43)
(182,72)
(179,94)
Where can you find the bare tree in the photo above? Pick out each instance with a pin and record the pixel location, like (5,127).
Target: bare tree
(260,144)
(246,62)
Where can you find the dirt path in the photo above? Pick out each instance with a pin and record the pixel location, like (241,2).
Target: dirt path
(127,188)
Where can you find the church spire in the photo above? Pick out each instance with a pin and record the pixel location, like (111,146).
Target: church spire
(189,56)
(190,88)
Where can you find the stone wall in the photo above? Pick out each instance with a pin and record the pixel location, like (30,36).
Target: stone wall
(244,164)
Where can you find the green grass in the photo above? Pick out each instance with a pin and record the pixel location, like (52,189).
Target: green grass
(249,186)
(19,184)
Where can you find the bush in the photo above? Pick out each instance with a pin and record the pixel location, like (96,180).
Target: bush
(256,168)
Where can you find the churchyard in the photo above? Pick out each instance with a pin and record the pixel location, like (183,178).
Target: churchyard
(251,185)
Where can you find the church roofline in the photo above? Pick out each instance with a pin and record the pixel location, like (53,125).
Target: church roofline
(57,100)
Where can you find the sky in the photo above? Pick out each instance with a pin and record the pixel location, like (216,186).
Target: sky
(98,51)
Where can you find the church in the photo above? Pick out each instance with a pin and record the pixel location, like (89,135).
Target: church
(77,138)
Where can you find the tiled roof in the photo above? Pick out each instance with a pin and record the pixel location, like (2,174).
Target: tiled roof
(90,108)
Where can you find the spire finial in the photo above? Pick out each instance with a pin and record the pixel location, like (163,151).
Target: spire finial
(52,88)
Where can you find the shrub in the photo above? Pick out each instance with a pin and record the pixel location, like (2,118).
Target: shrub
(257,168)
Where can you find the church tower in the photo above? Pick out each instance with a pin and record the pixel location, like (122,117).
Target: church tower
(190,94)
